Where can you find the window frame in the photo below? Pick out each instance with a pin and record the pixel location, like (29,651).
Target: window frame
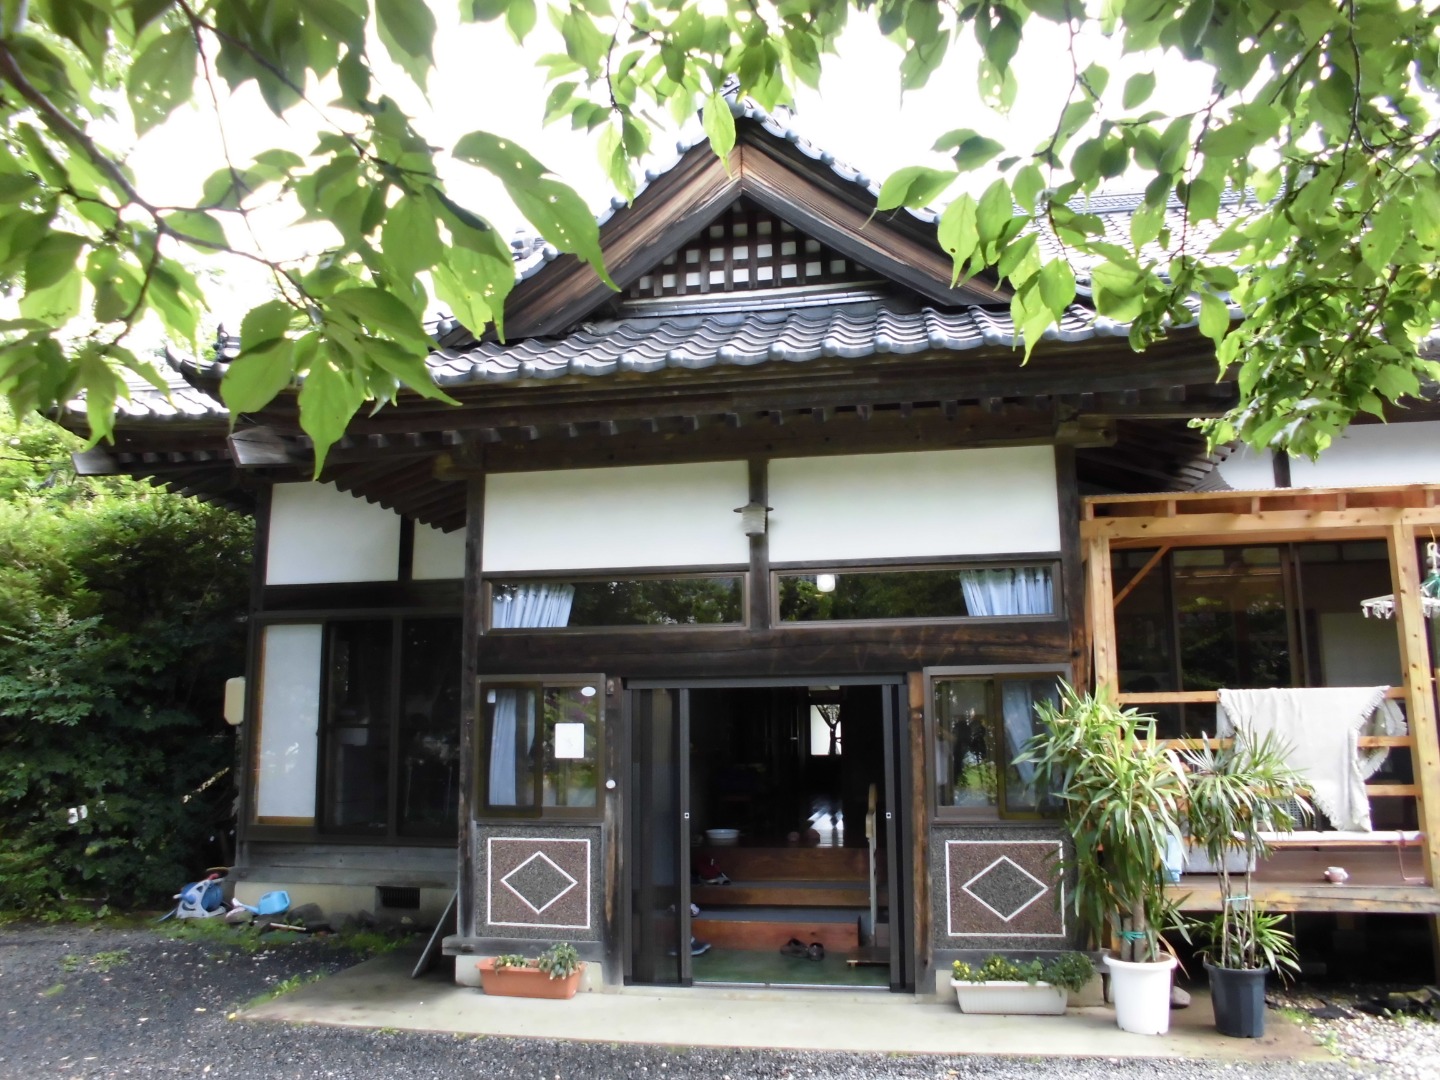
(1051,559)
(482,810)
(316,830)
(647,573)
(993,673)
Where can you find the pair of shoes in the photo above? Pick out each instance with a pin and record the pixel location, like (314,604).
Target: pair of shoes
(718,879)
(699,948)
(798,949)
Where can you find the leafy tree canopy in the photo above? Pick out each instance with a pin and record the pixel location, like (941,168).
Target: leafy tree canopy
(1322,112)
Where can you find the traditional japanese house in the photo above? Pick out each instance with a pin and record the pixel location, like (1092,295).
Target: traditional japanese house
(736,589)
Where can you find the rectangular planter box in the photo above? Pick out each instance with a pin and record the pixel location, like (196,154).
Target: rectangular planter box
(525,982)
(1013,998)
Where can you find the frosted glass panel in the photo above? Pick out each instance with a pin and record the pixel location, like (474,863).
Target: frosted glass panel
(289,717)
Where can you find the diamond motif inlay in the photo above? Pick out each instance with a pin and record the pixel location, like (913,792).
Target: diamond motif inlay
(1006,888)
(538,882)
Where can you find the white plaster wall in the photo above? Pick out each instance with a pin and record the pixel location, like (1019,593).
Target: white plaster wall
(289,717)
(320,534)
(1356,651)
(437,555)
(644,515)
(1367,455)
(914,505)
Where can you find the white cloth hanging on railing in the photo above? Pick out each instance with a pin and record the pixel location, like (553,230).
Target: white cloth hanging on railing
(1319,728)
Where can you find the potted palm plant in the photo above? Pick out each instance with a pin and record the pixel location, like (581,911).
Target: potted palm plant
(1237,794)
(1121,793)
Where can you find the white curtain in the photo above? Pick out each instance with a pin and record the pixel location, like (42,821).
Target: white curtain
(1010,590)
(1017,704)
(531,606)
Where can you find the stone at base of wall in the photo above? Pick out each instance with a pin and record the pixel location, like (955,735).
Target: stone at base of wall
(338,901)
(592,979)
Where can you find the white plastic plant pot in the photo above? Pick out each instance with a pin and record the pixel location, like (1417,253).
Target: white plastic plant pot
(1010,998)
(1141,993)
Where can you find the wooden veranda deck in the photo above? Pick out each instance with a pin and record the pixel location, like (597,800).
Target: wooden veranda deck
(1385,875)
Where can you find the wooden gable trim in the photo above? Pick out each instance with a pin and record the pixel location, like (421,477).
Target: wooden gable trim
(682,202)
(823,208)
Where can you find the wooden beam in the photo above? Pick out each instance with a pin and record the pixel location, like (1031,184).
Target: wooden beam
(263,447)
(1140,574)
(1419,688)
(1279,526)
(1197,894)
(95,462)
(1200,697)
(1100,608)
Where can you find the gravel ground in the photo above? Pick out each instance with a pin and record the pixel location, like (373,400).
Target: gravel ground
(111,1002)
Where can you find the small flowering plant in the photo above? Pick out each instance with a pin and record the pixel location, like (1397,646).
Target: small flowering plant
(1068,971)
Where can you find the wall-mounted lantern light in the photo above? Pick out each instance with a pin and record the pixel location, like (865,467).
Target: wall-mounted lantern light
(753,517)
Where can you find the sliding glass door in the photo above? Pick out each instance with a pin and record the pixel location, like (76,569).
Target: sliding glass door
(658,855)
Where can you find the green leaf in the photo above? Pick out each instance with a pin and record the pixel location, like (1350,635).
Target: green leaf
(408,368)
(328,399)
(1138,89)
(719,124)
(382,313)
(407,29)
(556,211)
(1214,317)
(266,323)
(1057,286)
(409,236)
(915,186)
(257,376)
(196,225)
(1396,382)
(53,258)
(520,18)
(994,211)
(162,78)
(958,234)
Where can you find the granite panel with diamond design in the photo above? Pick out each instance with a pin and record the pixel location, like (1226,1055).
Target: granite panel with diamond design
(996,888)
(539,881)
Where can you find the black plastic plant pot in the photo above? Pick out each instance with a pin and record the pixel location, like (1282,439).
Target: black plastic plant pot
(1238,996)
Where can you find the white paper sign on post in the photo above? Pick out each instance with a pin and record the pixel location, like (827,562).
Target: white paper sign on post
(569,741)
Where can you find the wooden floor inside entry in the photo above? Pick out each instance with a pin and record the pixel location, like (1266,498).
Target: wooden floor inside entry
(780,893)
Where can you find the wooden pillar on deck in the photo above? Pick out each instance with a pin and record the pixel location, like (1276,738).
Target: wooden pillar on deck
(1100,612)
(1419,700)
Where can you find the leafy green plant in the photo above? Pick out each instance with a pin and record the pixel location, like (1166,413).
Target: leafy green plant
(118,626)
(1121,794)
(1236,793)
(511,960)
(1068,971)
(559,961)
(1246,936)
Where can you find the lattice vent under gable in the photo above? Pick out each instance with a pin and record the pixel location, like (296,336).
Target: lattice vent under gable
(744,250)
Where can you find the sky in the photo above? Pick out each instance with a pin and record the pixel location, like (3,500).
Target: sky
(485,81)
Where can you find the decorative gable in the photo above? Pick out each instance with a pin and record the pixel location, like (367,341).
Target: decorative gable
(744,250)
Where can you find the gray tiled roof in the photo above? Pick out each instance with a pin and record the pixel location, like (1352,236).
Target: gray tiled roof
(651,343)
(742,339)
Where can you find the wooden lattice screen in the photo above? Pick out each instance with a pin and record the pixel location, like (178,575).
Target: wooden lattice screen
(748,249)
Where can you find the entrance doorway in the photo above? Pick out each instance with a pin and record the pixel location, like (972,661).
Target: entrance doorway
(763,844)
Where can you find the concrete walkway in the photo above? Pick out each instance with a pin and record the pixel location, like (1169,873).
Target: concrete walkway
(380,994)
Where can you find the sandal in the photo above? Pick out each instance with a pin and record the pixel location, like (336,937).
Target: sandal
(794,947)
(816,951)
